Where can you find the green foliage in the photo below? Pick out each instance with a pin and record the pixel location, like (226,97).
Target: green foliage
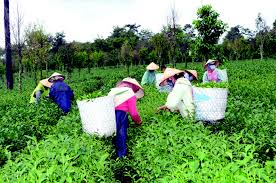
(126,54)
(161,47)
(213,85)
(2,69)
(18,124)
(209,28)
(97,58)
(37,42)
(49,147)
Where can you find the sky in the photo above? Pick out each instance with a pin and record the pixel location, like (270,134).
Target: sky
(86,20)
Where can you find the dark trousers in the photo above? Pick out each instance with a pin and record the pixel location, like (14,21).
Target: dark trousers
(121,132)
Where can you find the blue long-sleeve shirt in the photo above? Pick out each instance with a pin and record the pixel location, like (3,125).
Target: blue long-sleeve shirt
(62,95)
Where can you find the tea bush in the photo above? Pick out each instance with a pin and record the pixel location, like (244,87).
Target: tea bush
(50,147)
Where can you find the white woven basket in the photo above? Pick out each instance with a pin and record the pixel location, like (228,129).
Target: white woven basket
(210,103)
(98,116)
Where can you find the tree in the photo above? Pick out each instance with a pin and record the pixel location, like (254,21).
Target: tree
(233,34)
(171,33)
(189,39)
(209,28)
(9,74)
(271,42)
(262,33)
(19,40)
(161,47)
(80,59)
(54,55)
(66,53)
(126,54)
(57,41)
(97,58)
(274,24)
(38,46)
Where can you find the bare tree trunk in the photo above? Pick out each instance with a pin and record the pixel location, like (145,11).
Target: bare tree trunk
(20,69)
(261,50)
(41,71)
(186,63)
(35,74)
(47,71)
(9,74)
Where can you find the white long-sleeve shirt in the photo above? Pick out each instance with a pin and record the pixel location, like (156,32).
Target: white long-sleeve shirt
(181,98)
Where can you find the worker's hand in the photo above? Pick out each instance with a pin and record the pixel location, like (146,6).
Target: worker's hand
(139,123)
(162,108)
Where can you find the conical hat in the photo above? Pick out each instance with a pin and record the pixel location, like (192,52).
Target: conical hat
(210,61)
(139,93)
(46,83)
(169,72)
(193,72)
(152,66)
(54,75)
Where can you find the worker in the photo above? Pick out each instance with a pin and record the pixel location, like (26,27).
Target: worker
(181,97)
(60,92)
(149,76)
(42,89)
(125,95)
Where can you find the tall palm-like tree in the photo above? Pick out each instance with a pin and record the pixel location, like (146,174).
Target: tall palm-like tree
(8,59)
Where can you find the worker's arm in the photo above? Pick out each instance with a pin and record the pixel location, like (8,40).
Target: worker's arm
(205,77)
(38,95)
(145,78)
(133,110)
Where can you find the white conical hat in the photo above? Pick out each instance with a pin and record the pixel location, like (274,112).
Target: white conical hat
(169,72)
(46,83)
(193,72)
(139,93)
(54,76)
(211,61)
(152,66)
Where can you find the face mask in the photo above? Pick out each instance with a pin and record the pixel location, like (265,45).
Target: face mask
(170,83)
(186,75)
(212,67)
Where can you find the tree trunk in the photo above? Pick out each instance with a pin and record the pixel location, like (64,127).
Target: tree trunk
(186,63)
(47,71)
(20,68)
(127,70)
(35,74)
(9,74)
(261,50)
(41,77)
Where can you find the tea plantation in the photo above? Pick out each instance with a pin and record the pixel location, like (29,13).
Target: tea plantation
(40,144)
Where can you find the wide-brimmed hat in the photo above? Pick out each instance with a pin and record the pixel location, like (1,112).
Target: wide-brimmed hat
(55,76)
(46,83)
(152,66)
(169,72)
(211,61)
(192,72)
(140,92)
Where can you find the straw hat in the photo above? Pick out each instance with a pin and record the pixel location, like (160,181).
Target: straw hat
(139,93)
(193,72)
(46,83)
(152,66)
(55,76)
(211,61)
(169,72)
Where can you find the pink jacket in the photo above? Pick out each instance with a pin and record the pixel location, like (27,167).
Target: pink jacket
(130,106)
